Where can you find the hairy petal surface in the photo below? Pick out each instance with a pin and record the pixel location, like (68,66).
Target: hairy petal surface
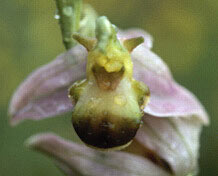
(75,159)
(44,92)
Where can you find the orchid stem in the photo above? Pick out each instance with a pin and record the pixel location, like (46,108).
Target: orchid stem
(69,14)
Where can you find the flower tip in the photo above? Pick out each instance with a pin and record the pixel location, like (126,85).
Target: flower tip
(105,32)
(103,24)
(13,121)
(32,141)
(36,140)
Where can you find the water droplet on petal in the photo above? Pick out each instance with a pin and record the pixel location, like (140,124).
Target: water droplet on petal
(57,16)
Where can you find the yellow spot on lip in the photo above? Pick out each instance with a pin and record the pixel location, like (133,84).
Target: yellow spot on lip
(120,100)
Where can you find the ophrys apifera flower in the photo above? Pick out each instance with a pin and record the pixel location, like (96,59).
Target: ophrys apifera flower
(109,102)
(106,80)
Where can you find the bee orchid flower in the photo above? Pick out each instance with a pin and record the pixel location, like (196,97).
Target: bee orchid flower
(127,97)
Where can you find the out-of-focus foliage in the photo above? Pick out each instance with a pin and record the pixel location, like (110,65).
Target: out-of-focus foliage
(185,34)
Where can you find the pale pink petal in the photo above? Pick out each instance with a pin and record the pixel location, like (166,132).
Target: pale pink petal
(168,99)
(176,140)
(75,159)
(44,92)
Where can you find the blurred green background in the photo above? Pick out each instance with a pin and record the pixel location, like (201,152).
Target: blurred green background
(185,35)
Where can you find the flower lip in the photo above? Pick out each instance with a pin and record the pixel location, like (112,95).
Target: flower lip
(106,118)
(107,132)
(108,111)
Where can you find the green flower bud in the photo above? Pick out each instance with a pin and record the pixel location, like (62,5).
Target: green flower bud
(109,102)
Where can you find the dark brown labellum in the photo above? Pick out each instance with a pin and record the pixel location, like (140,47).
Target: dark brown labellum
(106,133)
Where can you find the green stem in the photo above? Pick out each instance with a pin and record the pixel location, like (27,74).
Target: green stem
(69,12)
